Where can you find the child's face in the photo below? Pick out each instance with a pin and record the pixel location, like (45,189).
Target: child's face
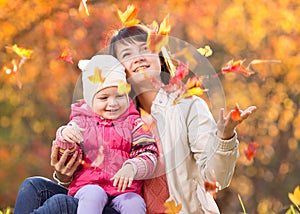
(109,104)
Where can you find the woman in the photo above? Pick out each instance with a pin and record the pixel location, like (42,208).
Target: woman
(194,149)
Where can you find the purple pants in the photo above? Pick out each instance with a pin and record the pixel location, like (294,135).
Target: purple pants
(92,199)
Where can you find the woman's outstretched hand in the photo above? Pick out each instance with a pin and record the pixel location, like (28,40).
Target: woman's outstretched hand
(64,168)
(226,125)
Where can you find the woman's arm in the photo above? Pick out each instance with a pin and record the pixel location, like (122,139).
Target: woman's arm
(215,157)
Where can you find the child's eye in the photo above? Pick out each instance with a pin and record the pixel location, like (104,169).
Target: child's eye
(101,98)
(120,95)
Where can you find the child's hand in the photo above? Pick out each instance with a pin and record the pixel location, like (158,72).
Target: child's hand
(72,134)
(227,125)
(124,177)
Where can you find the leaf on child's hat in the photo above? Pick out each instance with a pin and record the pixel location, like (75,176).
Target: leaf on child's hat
(97,76)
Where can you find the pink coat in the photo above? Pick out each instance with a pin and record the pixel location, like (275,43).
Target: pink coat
(116,138)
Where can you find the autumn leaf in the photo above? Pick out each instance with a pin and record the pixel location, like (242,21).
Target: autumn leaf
(123,87)
(97,76)
(128,18)
(236,66)
(22,52)
(295,197)
(66,55)
(165,27)
(205,51)
(157,40)
(171,206)
(99,159)
(250,150)
(14,71)
(236,113)
(186,54)
(212,188)
(149,122)
(83,6)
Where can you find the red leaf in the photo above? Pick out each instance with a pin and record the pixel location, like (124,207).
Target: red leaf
(213,188)
(236,114)
(250,150)
(236,66)
(66,56)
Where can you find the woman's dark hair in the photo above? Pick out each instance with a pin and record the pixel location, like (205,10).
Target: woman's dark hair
(137,33)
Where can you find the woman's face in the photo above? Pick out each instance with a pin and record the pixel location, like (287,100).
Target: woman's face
(137,57)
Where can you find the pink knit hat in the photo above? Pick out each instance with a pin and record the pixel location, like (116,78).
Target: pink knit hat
(100,72)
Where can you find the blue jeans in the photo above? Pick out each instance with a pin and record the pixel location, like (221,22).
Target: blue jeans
(40,195)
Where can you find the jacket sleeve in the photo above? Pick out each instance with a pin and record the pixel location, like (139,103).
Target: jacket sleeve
(144,152)
(215,157)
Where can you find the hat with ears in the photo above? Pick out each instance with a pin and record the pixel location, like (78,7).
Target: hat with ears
(102,71)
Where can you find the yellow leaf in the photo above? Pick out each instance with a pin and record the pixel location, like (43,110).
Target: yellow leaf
(165,27)
(128,17)
(97,76)
(171,206)
(124,87)
(206,51)
(22,52)
(295,198)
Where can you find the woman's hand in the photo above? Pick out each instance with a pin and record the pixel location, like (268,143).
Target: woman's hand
(64,169)
(124,177)
(226,125)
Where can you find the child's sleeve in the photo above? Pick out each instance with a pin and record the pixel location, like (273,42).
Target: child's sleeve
(144,152)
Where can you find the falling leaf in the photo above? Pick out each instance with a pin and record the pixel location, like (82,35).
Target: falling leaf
(171,206)
(165,27)
(128,18)
(206,51)
(194,82)
(83,6)
(250,150)
(99,159)
(97,76)
(212,188)
(236,66)
(22,52)
(14,70)
(66,55)
(157,40)
(124,87)
(149,122)
(295,197)
(236,113)
(186,54)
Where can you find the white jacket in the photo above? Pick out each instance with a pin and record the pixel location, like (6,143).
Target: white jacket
(192,152)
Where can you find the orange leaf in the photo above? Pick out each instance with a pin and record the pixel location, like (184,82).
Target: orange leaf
(66,55)
(83,6)
(250,150)
(128,17)
(236,114)
(171,206)
(149,122)
(165,27)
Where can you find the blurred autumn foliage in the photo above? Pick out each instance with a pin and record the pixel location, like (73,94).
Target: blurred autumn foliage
(234,29)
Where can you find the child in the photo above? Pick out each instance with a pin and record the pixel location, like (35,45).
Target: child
(108,130)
